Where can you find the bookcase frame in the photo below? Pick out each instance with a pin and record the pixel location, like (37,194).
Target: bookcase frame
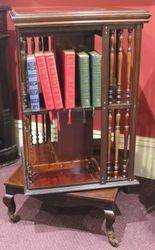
(43,22)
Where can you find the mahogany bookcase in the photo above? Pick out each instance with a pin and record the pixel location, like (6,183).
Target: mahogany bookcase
(71,162)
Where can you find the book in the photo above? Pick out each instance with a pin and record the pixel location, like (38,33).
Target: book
(95,72)
(84,78)
(98,43)
(53,77)
(44,80)
(33,87)
(69,78)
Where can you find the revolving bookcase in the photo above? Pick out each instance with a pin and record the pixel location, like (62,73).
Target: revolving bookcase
(69,161)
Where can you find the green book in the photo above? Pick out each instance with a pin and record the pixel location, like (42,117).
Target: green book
(84,78)
(95,72)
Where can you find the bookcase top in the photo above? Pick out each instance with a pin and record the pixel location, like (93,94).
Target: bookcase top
(62,16)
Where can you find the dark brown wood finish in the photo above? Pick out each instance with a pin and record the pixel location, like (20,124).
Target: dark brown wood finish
(86,16)
(133,99)
(104,199)
(75,29)
(104,102)
(8,147)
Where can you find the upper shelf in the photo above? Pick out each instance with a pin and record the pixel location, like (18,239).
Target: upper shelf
(59,16)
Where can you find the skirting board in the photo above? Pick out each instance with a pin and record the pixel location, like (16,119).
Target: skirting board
(144,157)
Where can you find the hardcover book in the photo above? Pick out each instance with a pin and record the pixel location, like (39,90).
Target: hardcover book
(53,77)
(84,78)
(44,80)
(95,72)
(69,78)
(33,83)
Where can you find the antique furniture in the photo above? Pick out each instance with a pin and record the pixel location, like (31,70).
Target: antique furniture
(69,163)
(72,160)
(8,149)
(103,198)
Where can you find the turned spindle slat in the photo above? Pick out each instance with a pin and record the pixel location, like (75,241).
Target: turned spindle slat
(48,128)
(126,137)
(117,139)
(36,128)
(109,144)
(129,64)
(43,128)
(112,61)
(30,128)
(118,114)
(119,64)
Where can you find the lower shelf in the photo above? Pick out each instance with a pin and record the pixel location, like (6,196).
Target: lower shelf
(16,181)
(67,173)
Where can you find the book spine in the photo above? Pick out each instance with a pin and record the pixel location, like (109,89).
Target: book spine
(84,80)
(96,79)
(69,79)
(44,81)
(54,81)
(33,84)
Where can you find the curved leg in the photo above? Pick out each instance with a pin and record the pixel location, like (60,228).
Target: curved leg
(110,219)
(8,200)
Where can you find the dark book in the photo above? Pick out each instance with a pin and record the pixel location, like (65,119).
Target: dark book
(33,87)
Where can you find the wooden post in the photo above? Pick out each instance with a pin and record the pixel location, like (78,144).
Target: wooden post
(133,98)
(104,103)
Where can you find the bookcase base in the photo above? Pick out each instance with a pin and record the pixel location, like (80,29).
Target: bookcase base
(104,199)
(92,186)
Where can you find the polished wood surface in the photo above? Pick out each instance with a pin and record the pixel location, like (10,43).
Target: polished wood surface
(60,16)
(17,180)
(104,198)
(120,32)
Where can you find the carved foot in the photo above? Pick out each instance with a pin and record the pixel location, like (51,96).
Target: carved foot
(110,219)
(8,200)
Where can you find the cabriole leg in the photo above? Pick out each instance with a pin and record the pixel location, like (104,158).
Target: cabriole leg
(110,219)
(8,200)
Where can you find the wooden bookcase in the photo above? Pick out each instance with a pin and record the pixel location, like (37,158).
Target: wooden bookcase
(72,163)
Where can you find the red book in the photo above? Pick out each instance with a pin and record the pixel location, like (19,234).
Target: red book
(44,80)
(53,77)
(69,78)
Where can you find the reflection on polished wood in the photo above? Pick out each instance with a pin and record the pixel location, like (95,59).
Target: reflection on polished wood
(64,174)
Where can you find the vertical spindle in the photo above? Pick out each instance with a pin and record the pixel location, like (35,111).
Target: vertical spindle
(109,144)
(117,138)
(112,58)
(129,64)
(126,137)
(30,127)
(37,131)
(119,64)
(43,128)
(118,114)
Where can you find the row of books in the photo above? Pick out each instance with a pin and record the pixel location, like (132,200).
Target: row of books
(81,72)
